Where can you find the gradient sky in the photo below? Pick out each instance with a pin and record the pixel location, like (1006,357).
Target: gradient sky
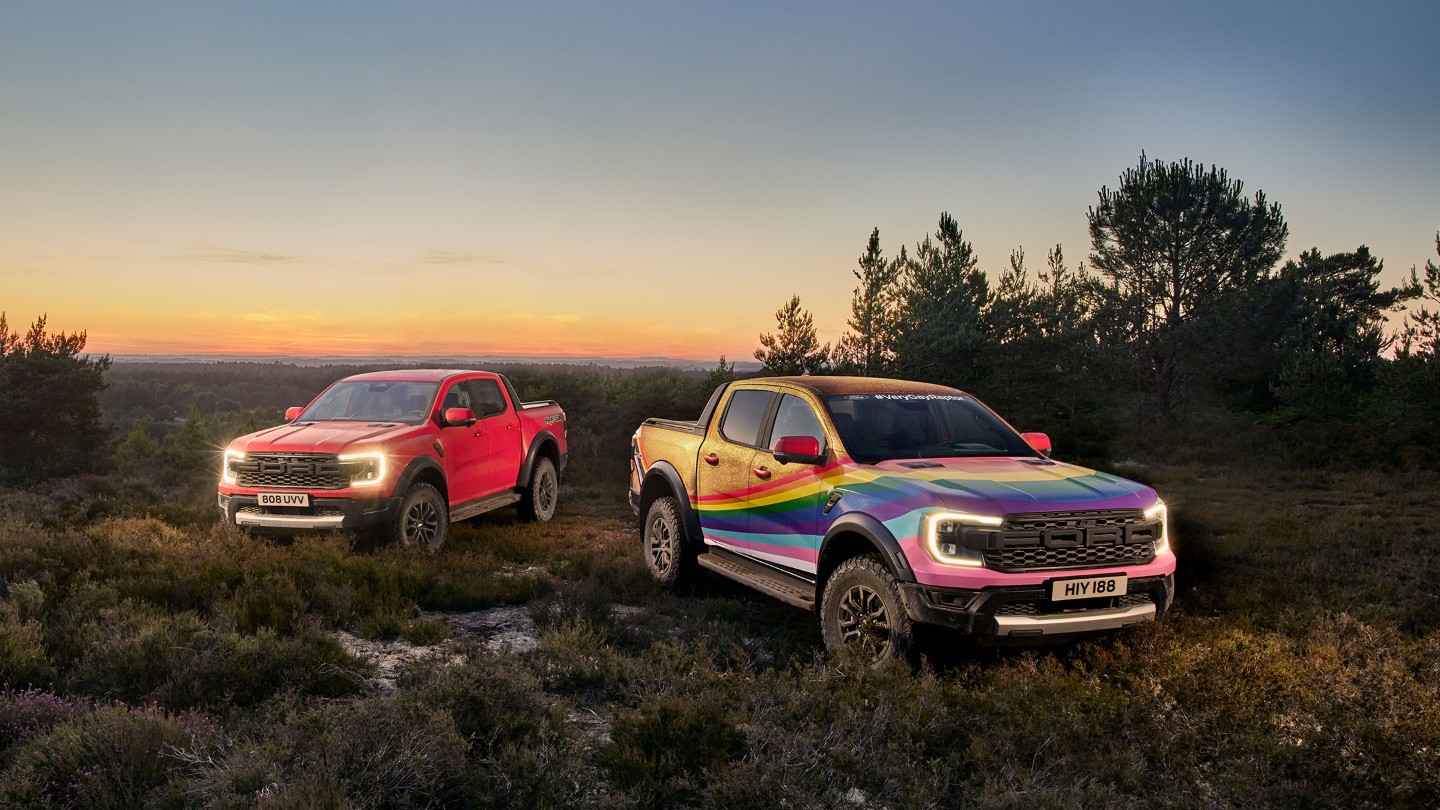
(643,179)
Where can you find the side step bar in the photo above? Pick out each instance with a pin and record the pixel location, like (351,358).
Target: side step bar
(480,506)
(770,581)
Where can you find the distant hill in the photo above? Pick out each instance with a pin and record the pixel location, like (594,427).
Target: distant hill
(438,361)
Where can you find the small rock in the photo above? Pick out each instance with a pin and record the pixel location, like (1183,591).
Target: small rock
(855,797)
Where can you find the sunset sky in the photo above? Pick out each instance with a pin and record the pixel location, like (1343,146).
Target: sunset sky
(646,179)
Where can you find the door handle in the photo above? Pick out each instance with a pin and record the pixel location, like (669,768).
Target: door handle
(712,459)
(762,473)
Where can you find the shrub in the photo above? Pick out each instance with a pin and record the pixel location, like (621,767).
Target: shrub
(28,712)
(380,753)
(662,751)
(22,649)
(116,756)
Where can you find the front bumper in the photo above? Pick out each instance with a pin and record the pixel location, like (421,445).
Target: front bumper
(1026,610)
(322,514)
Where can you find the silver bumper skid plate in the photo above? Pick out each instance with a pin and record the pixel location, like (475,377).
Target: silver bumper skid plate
(1061,623)
(289,521)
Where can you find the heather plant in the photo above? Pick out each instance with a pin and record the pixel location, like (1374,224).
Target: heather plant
(24,713)
(661,753)
(23,659)
(116,756)
(384,752)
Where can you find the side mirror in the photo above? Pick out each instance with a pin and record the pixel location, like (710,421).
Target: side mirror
(1038,441)
(799,449)
(291,414)
(459,416)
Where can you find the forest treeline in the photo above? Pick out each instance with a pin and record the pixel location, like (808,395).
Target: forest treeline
(1186,337)
(1185,334)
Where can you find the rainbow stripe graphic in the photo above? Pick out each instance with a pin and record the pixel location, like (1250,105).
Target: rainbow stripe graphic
(783,520)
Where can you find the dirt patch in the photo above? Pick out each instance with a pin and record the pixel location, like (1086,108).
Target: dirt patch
(502,629)
(392,657)
(506,630)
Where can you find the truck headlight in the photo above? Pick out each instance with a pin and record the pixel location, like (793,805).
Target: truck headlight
(227,469)
(943,532)
(364,469)
(1161,513)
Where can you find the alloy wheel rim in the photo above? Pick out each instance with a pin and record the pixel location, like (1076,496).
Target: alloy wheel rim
(545,493)
(661,543)
(422,524)
(863,619)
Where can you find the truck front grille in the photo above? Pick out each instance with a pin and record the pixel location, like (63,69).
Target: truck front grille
(1032,559)
(1066,540)
(290,470)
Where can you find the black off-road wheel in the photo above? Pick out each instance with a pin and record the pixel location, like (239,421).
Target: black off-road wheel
(669,551)
(537,502)
(862,613)
(423,520)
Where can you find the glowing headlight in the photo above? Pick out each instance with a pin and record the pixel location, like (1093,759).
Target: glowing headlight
(366,469)
(1160,513)
(227,473)
(942,536)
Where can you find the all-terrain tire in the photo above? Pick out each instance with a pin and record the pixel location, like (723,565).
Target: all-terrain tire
(422,522)
(537,501)
(862,611)
(669,550)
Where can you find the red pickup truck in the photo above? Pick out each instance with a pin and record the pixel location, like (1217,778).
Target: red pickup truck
(400,453)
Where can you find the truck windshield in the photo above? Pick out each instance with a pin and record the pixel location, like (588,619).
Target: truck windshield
(381,401)
(881,427)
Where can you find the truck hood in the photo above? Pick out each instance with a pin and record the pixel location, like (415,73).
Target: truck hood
(1002,486)
(324,437)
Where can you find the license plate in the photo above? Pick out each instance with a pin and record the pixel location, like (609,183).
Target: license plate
(284,499)
(1087,588)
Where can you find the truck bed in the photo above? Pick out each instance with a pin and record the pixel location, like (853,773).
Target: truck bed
(692,427)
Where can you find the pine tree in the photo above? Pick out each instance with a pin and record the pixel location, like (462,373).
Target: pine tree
(51,423)
(944,294)
(869,348)
(793,349)
(1178,243)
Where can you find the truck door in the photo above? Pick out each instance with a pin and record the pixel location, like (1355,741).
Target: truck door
(726,475)
(464,447)
(498,426)
(788,519)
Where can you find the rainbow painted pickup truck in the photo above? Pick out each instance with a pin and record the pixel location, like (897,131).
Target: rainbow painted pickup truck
(883,504)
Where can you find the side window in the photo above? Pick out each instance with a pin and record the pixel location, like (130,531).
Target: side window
(796,418)
(743,416)
(486,396)
(456,397)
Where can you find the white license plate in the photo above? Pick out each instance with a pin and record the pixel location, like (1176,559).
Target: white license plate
(284,499)
(1087,588)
